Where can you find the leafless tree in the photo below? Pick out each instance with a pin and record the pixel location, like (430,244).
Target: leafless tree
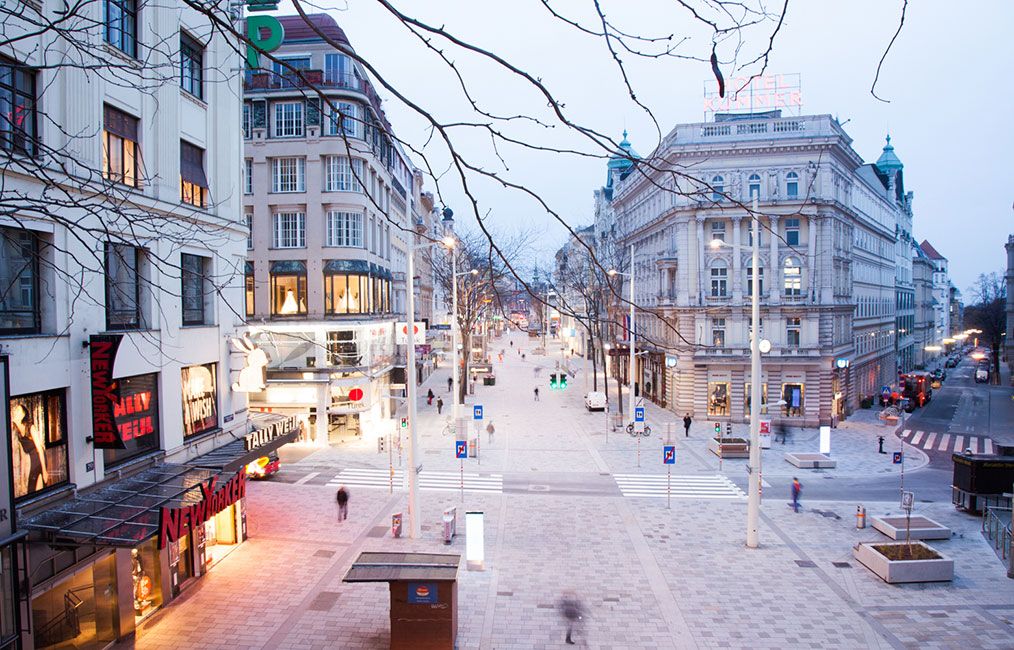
(989,314)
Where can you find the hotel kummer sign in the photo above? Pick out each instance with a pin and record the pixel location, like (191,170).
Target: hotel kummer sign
(174,523)
(105,391)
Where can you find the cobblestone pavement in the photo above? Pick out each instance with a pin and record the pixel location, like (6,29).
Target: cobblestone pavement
(649,576)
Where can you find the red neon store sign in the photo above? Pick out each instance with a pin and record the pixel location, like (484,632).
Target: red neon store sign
(174,523)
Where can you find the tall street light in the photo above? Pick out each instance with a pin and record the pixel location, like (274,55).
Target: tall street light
(632,353)
(414,524)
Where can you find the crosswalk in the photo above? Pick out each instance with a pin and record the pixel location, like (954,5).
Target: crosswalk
(946,442)
(368,477)
(682,487)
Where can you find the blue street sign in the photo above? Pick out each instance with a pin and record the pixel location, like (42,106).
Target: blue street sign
(897,458)
(460,449)
(477,412)
(668,455)
(639,414)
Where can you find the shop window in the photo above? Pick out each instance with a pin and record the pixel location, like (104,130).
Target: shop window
(718,398)
(220,535)
(764,398)
(121,25)
(749,281)
(17,108)
(343,349)
(792,185)
(792,332)
(793,396)
(19,282)
(120,148)
(146,574)
(38,442)
(348,293)
(195,270)
(137,418)
(718,332)
(191,66)
(123,287)
(793,277)
(719,280)
(288,288)
(200,399)
(792,232)
(91,595)
(248,281)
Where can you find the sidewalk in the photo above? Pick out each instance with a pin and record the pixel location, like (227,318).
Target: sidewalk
(650,577)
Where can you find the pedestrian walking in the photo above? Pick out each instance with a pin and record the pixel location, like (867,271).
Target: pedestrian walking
(512,343)
(686,425)
(797,487)
(450,383)
(522,356)
(440,405)
(490,430)
(536,393)
(343,503)
(572,612)
(429,397)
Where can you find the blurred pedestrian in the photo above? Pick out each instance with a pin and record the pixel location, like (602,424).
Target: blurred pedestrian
(429,397)
(536,393)
(490,429)
(450,383)
(522,356)
(797,487)
(686,425)
(571,610)
(512,343)
(343,503)
(440,405)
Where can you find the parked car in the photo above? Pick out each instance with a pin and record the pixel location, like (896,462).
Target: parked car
(981,375)
(264,466)
(951,362)
(939,374)
(595,401)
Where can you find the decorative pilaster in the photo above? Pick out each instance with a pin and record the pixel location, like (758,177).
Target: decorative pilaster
(773,274)
(737,262)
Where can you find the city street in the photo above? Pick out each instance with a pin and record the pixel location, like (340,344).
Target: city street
(570,505)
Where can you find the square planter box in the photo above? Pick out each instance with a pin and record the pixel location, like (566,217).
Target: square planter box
(729,447)
(939,569)
(921,528)
(810,461)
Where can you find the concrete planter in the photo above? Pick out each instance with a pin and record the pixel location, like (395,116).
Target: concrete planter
(920,528)
(940,569)
(810,461)
(729,447)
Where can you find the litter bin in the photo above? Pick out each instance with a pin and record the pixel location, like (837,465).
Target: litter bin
(471,447)
(424,596)
(450,524)
(396,525)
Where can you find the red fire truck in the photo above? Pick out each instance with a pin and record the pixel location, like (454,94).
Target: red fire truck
(917,387)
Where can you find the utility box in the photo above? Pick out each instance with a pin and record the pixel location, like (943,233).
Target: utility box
(424,596)
(980,479)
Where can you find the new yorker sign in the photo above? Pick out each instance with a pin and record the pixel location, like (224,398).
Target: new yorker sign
(174,523)
(261,437)
(263,33)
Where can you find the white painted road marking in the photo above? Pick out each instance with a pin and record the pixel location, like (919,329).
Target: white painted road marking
(306,479)
(683,487)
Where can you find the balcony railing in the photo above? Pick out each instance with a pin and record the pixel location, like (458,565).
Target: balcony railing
(311,81)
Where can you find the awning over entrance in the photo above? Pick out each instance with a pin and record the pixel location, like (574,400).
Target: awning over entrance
(388,567)
(125,512)
(269,431)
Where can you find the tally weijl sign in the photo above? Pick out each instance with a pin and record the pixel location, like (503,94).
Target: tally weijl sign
(263,436)
(264,33)
(174,523)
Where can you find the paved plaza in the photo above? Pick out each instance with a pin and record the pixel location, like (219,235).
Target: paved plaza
(565,510)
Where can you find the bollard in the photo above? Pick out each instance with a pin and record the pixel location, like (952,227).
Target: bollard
(860,517)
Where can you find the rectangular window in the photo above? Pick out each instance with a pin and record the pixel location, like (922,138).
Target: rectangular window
(249,231)
(19,282)
(121,25)
(764,398)
(288,120)
(191,66)
(288,293)
(38,441)
(718,230)
(793,395)
(248,281)
(338,71)
(792,186)
(123,287)
(17,108)
(194,271)
(137,418)
(749,281)
(792,330)
(193,180)
(288,69)
(287,175)
(718,332)
(247,176)
(343,349)
(200,399)
(120,150)
(344,229)
(289,230)
(345,121)
(342,176)
(718,398)
(719,281)
(792,232)
(247,121)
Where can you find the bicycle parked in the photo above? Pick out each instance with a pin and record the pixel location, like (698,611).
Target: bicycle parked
(634,433)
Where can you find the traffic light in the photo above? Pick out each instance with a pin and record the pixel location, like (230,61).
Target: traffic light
(553,382)
(728,429)
(718,428)
(563,381)
(404,423)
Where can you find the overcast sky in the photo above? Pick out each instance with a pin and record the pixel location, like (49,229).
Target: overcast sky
(947,79)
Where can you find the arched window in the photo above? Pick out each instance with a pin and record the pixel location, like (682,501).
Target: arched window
(793,275)
(719,279)
(717,188)
(792,185)
(755,183)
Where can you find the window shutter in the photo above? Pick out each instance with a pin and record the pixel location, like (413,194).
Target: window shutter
(119,123)
(192,164)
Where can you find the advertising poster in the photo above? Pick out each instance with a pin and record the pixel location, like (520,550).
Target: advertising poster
(200,399)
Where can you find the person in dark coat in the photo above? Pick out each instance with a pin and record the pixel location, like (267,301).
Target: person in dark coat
(686,425)
(450,383)
(429,397)
(571,610)
(440,405)
(797,487)
(343,503)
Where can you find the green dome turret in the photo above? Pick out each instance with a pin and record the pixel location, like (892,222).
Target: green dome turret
(888,161)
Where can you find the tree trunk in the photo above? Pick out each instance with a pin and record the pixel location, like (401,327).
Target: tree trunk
(619,392)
